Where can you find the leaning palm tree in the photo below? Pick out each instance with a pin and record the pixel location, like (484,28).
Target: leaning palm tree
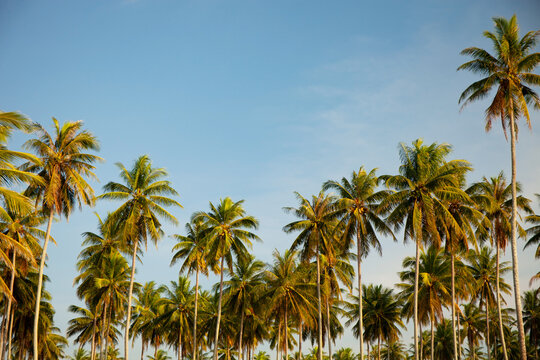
(145,194)
(494,199)
(424,182)
(510,73)
(358,200)
(63,165)
(192,248)
(317,222)
(228,231)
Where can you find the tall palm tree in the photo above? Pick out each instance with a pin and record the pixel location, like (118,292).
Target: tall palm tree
(192,248)
(63,165)
(358,201)
(483,268)
(510,72)
(534,233)
(434,291)
(243,289)
(145,194)
(227,226)
(494,199)
(424,182)
(289,294)
(317,222)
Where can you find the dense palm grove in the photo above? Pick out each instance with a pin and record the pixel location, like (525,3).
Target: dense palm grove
(452,291)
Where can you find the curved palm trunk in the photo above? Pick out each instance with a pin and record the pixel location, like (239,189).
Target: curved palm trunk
(93,346)
(328,328)
(9,334)
(432,336)
(501,330)
(40,285)
(515,266)
(286,335)
(241,333)
(130,295)
(142,349)
(219,312)
(454,335)
(319,339)
(300,342)
(488,351)
(8,315)
(195,317)
(360,310)
(416,270)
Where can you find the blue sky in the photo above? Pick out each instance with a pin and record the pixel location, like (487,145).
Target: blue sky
(255,100)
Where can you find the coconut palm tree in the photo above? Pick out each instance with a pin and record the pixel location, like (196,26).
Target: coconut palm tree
(424,182)
(289,294)
(192,248)
(534,233)
(148,299)
(227,228)
(531,318)
(83,327)
(79,354)
(393,351)
(483,268)
(318,219)
(63,165)
(358,201)
(434,290)
(494,199)
(510,73)
(473,326)
(145,194)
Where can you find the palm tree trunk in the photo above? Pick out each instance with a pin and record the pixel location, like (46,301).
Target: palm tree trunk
(142,350)
(367,345)
(219,311)
(360,310)
(300,341)
(487,333)
(458,332)
(40,285)
(103,328)
(241,332)
(195,317)
(8,315)
(93,346)
(328,327)
(501,330)
(278,341)
(130,295)
(319,350)
(286,334)
(515,266)
(109,320)
(179,349)
(416,300)
(421,355)
(432,336)
(4,326)
(454,335)
(379,347)
(9,334)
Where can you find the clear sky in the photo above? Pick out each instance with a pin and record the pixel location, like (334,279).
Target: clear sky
(255,100)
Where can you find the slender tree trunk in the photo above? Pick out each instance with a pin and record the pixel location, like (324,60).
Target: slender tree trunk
(432,336)
(130,295)
(8,316)
(319,350)
(9,334)
(179,349)
(4,326)
(103,328)
(379,347)
(109,319)
(367,344)
(454,335)
(93,346)
(142,350)
(278,341)
(501,330)
(328,328)
(488,351)
(416,299)
(286,334)
(515,266)
(155,350)
(40,285)
(360,305)
(421,340)
(241,333)
(300,342)
(216,345)
(195,348)
(458,332)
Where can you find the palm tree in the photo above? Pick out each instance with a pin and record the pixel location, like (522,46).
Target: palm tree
(443,349)
(434,291)
(471,318)
(83,327)
(63,166)
(531,318)
(160,355)
(79,354)
(483,268)
(345,354)
(494,199)
(425,181)
(316,225)
(534,233)
(147,301)
(358,200)
(393,351)
(243,289)
(145,194)
(290,295)
(227,226)
(510,72)
(192,248)
(382,316)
